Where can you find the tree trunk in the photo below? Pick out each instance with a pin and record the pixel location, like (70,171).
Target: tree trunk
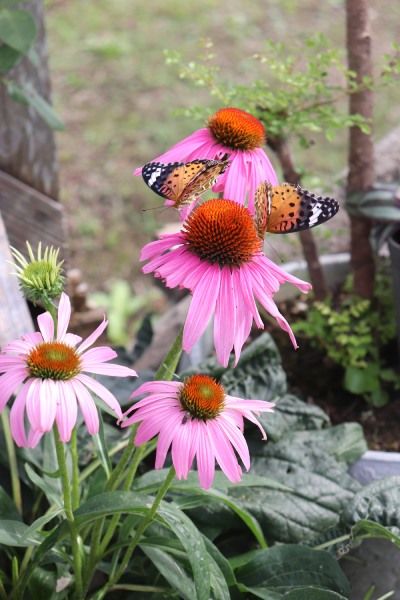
(320,289)
(361,151)
(27,145)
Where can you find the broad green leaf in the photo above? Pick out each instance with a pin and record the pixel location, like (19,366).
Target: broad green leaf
(285,567)
(48,485)
(378,501)
(365,529)
(221,561)
(313,593)
(16,533)
(9,58)
(17,29)
(26,94)
(360,381)
(42,584)
(292,414)
(192,540)
(172,571)
(8,510)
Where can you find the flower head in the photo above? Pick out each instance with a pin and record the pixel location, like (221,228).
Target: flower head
(40,276)
(200,421)
(48,372)
(235,132)
(218,256)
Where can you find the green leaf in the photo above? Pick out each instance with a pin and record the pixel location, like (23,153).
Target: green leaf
(8,58)
(284,567)
(172,571)
(42,584)
(17,29)
(313,593)
(26,94)
(365,529)
(8,510)
(378,501)
(16,533)
(192,540)
(102,454)
(48,485)
(360,381)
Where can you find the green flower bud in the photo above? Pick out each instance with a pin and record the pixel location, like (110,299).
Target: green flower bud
(40,277)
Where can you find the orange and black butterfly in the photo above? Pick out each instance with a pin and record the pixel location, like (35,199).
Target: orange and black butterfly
(181,182)
(288,208)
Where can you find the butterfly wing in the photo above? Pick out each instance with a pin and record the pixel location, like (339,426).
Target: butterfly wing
(182,182)
(294,209)
(262,205)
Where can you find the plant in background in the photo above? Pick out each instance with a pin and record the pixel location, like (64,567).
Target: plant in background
(123,309)
(354,332)
(18,33)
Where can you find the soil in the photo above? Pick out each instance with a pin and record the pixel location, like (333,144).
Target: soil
(314,378)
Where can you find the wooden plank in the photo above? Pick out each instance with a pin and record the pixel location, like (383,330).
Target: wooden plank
(15,319)
(27,144)
(30,215)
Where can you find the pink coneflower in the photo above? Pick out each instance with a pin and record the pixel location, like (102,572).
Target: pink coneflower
(237,133)
(47,372)
(218,256)
(200,421)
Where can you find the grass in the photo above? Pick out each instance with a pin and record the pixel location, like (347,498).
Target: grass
(117,98)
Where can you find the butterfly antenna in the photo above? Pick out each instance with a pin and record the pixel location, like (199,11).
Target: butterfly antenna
(154,208)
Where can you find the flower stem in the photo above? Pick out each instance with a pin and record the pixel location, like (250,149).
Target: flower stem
(12,460)
(147,519)
(166,370)
(62,464)
(75,469)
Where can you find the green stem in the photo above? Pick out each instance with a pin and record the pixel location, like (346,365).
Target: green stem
(3,594)
(75,469)
(147,519)
(166,370)
(337,540)
(76,555)
(12,460)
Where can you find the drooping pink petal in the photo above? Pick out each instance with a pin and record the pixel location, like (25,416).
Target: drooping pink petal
(205,456)
(151,401)
(34,438)
(33,338)
(182,457)
(201,307)
(87,406)
(17,417)
(71,339)
(67,410)
(150,426)
(92,337)
(9,383)
(244,317)
(225,317)
(157,387)
(166,436)
(97,355)
(110,370)
(41,404)
(236,438)
(8,361)
(101,392)
(64,315)
(166,242)
(224,453)
(247,295)
(46,326)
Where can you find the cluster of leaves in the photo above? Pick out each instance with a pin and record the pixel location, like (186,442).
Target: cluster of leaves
(295,93)
(354,334)
(212,544)
(18,33)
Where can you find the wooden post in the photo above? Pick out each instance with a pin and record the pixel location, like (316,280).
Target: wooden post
(15,319)
(361,150)
(27,144)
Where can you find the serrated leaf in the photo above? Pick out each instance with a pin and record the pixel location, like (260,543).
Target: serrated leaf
(284,567)
(17,29)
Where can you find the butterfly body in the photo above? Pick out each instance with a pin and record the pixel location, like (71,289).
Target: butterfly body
(180,183)
(289,208)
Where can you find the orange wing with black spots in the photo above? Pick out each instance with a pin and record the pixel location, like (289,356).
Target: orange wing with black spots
(182,182)
(288,208)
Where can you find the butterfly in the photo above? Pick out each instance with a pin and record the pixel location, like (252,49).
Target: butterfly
(181,182)
(288,208)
